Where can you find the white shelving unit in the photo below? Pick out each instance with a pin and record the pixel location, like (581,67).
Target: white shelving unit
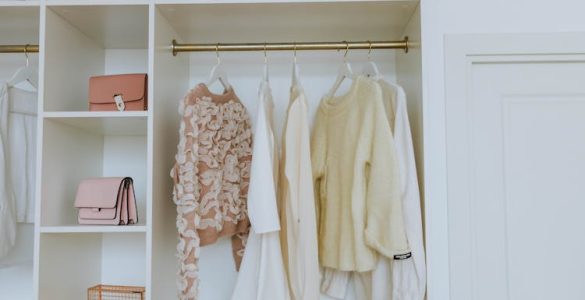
(82,38)
(85,39)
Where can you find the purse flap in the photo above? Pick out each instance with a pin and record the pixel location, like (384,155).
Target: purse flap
(98,192)
(102,89)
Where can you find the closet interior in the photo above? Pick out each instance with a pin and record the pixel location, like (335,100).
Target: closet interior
(262,23)
(18,26)
(84,38)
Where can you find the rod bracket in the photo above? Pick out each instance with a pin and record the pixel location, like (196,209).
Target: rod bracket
(174,47)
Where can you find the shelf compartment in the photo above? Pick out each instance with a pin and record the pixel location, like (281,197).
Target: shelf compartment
(79,148)
(91,40)
(110,26)
(72,262)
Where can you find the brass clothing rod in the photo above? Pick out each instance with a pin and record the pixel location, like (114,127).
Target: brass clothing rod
(19,48)
(402,44)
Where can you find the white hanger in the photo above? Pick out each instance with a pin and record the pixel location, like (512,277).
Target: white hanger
(295,79)
(218,72)
(266,73)
(27,73)
(343,73)
(371,69)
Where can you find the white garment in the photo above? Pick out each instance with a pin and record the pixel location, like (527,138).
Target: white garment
(262,274)
(7,209)
(298,216)
(22,132)
(393,279)
(17,161)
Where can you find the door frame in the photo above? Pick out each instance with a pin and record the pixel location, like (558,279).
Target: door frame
(461,51)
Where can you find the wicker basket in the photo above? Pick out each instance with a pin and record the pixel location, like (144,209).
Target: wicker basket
(115,292)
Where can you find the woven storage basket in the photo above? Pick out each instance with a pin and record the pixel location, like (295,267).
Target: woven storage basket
(115,292)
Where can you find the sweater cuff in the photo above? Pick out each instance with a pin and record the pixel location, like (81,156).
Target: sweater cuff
(384,250)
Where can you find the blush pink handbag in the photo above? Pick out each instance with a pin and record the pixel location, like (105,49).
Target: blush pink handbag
(125,92)
(106,201)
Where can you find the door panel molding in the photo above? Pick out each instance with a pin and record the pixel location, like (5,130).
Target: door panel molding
(464,54)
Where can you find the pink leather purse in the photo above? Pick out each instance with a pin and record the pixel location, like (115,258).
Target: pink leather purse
(106,201)
(125,92)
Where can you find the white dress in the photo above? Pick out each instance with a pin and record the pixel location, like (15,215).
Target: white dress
(299,218)
(262,274)
(393,279)
(17,161)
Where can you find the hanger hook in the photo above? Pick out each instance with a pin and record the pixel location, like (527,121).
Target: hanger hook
(295,52)
(265,55)
(346,50)
(26,53)
(370,51)
(217,53)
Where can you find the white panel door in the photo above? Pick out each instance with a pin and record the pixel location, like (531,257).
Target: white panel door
(516,168)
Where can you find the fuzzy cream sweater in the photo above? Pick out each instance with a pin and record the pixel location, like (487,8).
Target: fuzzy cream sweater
(356,178)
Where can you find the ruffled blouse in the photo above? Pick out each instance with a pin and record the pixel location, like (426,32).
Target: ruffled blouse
(211,178)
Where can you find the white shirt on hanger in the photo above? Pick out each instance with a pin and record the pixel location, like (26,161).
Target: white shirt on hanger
(18,126)
(262,274)
(7,198)
(298,217)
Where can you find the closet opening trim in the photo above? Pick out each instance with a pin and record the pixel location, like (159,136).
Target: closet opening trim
(290,46)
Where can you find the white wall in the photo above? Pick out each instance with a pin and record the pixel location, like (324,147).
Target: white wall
(443,17)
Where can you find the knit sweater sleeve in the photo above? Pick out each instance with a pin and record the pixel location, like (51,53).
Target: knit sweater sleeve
(318,152)
(384,221)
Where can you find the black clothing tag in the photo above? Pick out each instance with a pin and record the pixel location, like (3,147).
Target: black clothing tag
(403,256)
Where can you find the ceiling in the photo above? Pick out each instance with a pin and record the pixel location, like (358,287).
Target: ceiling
(19,25)
(113,26)
(274,22)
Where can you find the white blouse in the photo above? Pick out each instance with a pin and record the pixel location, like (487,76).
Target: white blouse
(262,274)
(298,218)
(18,122)
(7,209)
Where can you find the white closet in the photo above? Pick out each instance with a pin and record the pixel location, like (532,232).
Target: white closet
(82,38)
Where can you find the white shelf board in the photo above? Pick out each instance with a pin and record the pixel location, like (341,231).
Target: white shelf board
(119,26)
(94,114)
(19,3)
(279,21)
(93,229)
(95,2)
(268,1)
(103,123)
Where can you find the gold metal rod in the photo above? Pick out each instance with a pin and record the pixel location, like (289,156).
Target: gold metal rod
(19,48)
(403,44)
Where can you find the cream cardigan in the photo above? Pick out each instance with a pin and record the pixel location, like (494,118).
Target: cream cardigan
(356,176)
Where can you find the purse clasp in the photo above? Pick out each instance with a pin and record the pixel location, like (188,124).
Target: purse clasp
(119,102)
